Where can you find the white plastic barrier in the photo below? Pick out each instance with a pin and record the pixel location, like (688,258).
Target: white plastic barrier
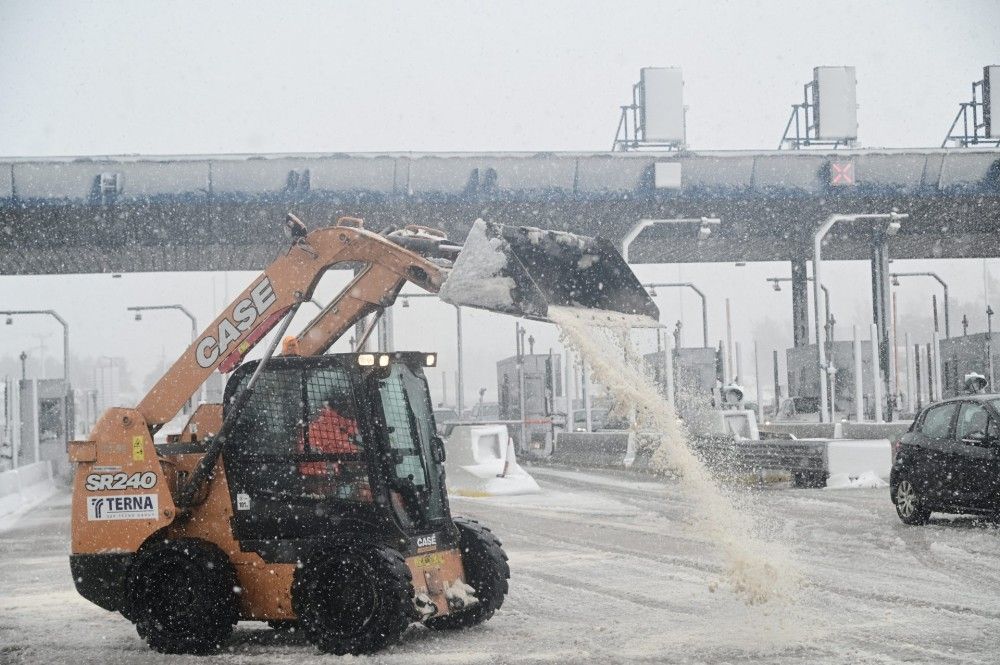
(25,487)
(481,462)
(858,463)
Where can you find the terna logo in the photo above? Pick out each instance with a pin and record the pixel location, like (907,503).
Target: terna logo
(123,507)
(98,507)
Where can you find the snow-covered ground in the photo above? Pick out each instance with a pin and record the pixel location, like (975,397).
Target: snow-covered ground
(604,571)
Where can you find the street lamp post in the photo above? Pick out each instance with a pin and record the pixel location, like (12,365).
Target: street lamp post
(821,232)
(701,294)
(705,225)
(139,309)
(895,280)
(776,281)
(69,428)
(61,321)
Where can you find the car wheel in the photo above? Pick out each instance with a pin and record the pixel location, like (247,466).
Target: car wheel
(910,506)
(354,599)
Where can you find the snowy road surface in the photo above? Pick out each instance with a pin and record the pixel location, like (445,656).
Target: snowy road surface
(604,571)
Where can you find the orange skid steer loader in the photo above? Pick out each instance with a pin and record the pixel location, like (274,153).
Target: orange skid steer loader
(314,496)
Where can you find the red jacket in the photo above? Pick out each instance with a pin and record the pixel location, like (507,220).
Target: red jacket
(329,432)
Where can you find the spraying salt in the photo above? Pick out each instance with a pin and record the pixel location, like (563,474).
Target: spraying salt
(757,571)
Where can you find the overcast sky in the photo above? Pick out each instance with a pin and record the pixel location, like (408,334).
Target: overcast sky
(169,78)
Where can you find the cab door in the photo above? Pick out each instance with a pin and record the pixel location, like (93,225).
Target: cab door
(932,464)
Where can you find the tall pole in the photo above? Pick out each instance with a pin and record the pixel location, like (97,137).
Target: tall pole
(738,359)
(668,368)
(989,344)
(910,406)
(895,347)
(937,366)
(460,380)
(944,288)
(729,344)
(756,378)
(777,384)
(931,395)
(859,399)
(876,375)
(704,304)
(567,383)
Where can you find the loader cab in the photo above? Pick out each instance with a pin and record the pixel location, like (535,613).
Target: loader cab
(335,442)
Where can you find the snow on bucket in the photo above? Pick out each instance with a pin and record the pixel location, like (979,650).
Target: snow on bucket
(481,462)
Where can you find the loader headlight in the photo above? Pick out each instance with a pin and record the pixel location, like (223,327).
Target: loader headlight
(366,359)
(383,360)
(431,360)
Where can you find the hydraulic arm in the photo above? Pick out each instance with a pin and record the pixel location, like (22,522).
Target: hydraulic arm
(384,266)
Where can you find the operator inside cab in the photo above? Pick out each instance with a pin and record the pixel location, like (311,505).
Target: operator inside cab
(333,430)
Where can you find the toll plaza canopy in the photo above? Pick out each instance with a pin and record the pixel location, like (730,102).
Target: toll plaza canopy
(224,212)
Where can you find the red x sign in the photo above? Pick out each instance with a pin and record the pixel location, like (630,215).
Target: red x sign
(842,174)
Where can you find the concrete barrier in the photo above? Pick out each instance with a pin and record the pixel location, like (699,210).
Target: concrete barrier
(857,457)
(841,430)
(481,462)
(612,448)
(871,431)
(799,430)
(25,487)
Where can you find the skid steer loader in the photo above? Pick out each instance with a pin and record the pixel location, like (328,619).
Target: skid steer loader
(314,496)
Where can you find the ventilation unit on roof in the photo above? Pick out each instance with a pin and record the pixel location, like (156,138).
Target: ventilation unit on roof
(828,114)
(979,118)
(656,112)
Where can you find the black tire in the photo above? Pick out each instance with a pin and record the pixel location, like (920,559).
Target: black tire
(354,599)
(486,571)
(182,596)
(910,506)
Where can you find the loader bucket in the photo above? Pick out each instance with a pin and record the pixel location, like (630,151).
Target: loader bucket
(522,271)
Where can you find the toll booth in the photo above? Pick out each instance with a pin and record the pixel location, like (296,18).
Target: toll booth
(803,379)
(695,369)
(541,376)
(962,355)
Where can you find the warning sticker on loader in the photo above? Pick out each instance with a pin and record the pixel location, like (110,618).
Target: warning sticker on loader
(122,507)
(138,449)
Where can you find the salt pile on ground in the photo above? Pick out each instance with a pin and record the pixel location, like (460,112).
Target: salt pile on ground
(756,570)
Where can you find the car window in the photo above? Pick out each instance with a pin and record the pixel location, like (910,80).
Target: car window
(937,420)
(972,420)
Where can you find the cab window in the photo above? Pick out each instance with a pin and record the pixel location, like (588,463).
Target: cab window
(297,438)
(972,421)
(937,421)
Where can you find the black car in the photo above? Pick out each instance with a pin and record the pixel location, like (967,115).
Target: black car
(949,460)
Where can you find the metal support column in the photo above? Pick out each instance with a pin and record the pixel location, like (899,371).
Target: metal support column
(876,375)
(859,398)
(881,317)
(800,303)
